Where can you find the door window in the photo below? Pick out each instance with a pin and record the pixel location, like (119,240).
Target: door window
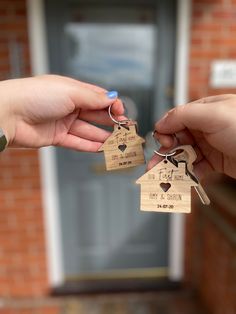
(115,45)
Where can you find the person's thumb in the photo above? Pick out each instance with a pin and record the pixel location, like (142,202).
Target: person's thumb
(89,99)
(195,116)
(171,122)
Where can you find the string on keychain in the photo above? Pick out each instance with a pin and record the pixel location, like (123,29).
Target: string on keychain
(119,123)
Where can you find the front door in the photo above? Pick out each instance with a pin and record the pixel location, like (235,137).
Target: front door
(126,46)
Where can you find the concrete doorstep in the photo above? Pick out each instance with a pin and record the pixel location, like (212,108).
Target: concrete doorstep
(176,302)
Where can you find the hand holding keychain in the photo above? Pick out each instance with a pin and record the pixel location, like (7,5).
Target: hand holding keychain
(167,186)
(123,149)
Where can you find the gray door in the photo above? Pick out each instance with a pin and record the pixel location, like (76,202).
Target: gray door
(126,46)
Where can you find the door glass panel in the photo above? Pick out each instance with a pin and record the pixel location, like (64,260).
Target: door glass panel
(118,60)
(102,227)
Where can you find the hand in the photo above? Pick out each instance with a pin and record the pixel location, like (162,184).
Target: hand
(55,110)
(209,125)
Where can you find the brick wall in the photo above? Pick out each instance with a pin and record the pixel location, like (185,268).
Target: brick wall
(213,36)
(210,254)
(22,243)
(211,257)
(14,52)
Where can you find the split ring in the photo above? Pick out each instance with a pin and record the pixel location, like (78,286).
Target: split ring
(165,155)
(123,122)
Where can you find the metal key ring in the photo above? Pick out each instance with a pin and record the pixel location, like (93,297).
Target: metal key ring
(165,155)
(171,153)
(123,122)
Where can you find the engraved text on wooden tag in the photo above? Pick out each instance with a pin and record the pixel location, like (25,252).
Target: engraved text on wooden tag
(166,188)
(123,148)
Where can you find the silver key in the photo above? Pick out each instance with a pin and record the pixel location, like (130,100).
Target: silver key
(188,155)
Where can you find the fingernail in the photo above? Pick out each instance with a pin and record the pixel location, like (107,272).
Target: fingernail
(112,94)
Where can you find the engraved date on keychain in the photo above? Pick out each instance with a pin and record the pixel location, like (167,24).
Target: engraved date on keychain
(123,148)
(167,186)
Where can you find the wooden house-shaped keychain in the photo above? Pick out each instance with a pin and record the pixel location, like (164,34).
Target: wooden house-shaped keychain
(123,148)
(166,188)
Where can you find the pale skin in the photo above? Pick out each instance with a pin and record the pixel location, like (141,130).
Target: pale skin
(209,125)
(55,110)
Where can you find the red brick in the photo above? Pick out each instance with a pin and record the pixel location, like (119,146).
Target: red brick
(224,15)
(20,11)
(50,310)
(206,54)
(204,3)
(208,255)
(232,28)
(199,42)
(225,42)
(207,27)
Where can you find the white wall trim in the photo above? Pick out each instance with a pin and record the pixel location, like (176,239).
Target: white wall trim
(39,63)
(37,37)
(49,183)
(177,221)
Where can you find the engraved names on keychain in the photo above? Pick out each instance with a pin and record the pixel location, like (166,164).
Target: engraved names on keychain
(167,186)
(123,149)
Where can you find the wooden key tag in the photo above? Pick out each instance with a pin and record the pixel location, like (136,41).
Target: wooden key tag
(166,188)
(123,149)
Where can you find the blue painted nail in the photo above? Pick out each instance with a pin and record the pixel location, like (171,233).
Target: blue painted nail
(112,94)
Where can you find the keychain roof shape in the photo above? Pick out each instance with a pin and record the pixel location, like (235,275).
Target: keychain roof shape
(166,188)
(123,148)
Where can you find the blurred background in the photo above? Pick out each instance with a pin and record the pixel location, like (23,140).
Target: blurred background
(72,238)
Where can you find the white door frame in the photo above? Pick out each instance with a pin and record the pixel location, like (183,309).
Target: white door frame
(39,64)
(177,221)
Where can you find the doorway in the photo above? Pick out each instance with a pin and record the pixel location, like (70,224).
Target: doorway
(127,46)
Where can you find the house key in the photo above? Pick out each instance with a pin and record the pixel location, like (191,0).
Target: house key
(189,155)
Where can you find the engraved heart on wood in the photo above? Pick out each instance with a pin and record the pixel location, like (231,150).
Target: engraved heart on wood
(122,147)
(165,186)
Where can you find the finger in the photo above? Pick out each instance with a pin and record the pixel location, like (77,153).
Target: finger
(118,108)
(99,117)
(153,161)
(184,137)
(216,98)
(86,98)
(80,144)
(93,87)
(194,116)
(75,82)
(88,131)
(202,169)
(199,154)
(168,141)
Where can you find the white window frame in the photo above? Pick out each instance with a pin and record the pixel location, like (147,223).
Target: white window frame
(39,64)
